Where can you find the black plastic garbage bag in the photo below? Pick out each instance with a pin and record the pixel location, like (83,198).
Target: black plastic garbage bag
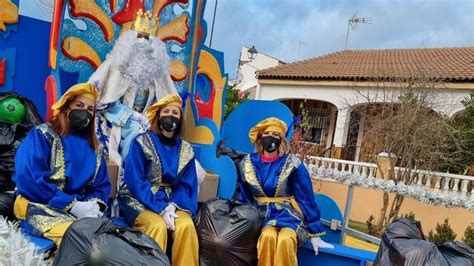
(222,150)
(11,135)
(236,157)
(228,233)
(456,253)
(403,243)
(6,205)
(98,241)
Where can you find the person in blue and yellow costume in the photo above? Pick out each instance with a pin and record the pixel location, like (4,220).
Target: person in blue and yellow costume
(60,171)
(160,184)
(278,183)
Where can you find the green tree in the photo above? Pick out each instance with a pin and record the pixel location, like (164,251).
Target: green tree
(464,123)
(409,216)
(469,236)
(370,225)
(443,232)
(233,98)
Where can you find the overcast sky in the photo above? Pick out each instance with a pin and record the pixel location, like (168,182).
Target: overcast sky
(316,27)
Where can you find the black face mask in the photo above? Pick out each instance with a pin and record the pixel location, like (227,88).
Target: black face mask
(169,123)
(270,143)
(80,121)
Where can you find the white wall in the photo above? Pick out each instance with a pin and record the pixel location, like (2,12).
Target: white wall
(247,70)
(448,101)
(346,98)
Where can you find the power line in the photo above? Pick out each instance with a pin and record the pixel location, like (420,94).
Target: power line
(233,22)
(261,29)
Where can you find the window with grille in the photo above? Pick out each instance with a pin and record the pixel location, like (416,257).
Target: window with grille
(318,124)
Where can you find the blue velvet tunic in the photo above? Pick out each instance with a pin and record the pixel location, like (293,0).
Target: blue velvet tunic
(53,172)
(283,178)
(156,174)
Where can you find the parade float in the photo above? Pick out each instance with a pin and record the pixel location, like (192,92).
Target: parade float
(47,46)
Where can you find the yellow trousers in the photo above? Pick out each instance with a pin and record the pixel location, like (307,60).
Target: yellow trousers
(277,246)
(185,247)
(56,233)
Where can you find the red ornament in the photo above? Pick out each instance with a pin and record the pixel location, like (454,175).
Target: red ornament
(3,69)
(128,11)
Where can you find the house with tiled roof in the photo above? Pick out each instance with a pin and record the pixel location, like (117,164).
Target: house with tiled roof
(248,65)
(326,85)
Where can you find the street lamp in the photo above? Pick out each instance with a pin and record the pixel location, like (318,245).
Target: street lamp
(251,54)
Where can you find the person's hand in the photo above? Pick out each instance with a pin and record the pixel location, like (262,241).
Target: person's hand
(141,119)
(82,209)
(317,243)
(169,215)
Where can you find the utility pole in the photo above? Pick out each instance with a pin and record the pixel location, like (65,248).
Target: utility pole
(212,27)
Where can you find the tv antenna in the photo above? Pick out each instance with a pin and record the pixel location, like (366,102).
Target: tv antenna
(299,46)
(353,22)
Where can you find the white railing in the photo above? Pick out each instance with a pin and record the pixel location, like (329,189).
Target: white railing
(432,180)
(363,169)
(445,182)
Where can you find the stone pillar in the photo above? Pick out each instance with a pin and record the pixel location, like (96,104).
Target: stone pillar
(331,128)
(384,162)
(340,136)
(337,152)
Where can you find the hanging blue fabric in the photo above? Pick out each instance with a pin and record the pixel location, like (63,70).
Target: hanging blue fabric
(184,97)
(296,119)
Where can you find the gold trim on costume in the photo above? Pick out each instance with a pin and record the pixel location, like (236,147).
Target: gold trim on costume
(250,176)
(97,200)
(186,154)
(291,163)
(57,163)
(43,217)
(149,150)
(124,117)
(288,199)
(69,206)
(98,163)
(316,235)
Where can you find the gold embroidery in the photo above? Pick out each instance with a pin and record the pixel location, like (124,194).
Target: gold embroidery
(130,201)
(69,206)
(124,117)
(57,163)
(42,218)
(98,163)
(186,154)
(250,176)
(291,163)
(149,150)
(316,234)
(97,200)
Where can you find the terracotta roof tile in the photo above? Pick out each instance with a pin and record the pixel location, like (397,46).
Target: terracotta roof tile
(450,64)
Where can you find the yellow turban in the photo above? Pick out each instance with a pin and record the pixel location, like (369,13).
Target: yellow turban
(82,89)
(168,100)
(272,124)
